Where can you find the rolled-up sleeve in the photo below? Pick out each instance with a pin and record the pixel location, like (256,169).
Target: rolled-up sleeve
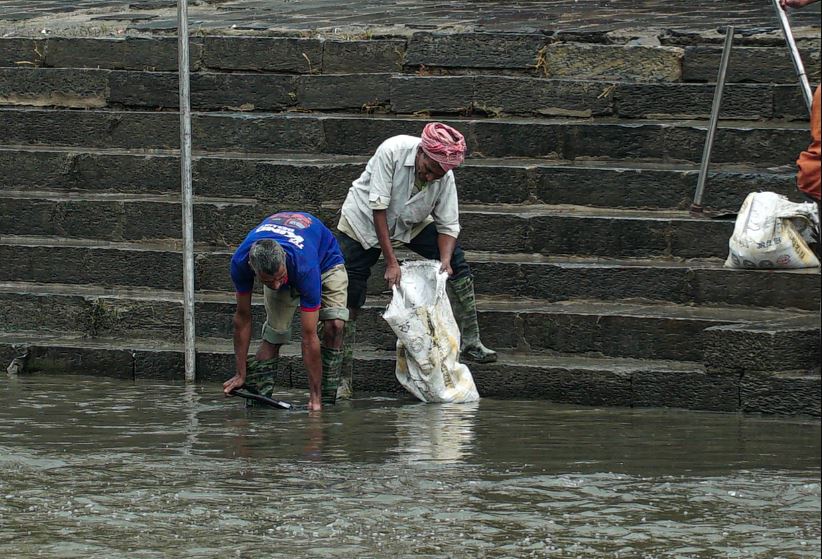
(382,179)
(446,211)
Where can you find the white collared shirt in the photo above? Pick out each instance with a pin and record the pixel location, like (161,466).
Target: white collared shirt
(388,184)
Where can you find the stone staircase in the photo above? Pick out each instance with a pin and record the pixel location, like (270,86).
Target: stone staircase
(594,282)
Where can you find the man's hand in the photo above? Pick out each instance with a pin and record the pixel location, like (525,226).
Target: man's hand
(234,382)
(446,267)
(393,275)
(795,3)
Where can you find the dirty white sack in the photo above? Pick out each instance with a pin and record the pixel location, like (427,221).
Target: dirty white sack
(428,338)
(773,232)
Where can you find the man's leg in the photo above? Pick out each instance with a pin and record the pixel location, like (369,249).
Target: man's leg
(333,316)
(462,291)
(358,264)
(279,312)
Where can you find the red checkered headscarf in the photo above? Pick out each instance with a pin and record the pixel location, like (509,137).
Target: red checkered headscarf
(443,144)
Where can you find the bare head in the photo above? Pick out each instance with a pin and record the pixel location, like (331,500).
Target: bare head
(267,259)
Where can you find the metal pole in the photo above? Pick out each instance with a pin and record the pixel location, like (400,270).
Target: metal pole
(804,85)
(187,196)
(709,142)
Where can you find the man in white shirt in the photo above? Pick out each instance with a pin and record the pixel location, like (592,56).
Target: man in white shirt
(407,197)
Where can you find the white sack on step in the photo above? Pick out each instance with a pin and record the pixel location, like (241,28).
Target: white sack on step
(772,232)
(428,338)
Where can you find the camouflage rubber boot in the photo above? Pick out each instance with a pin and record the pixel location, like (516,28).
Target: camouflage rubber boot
(465,312)
(346,388)
(332,361)
(259,378)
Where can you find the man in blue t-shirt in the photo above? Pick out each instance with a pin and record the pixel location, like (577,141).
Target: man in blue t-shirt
(297,260)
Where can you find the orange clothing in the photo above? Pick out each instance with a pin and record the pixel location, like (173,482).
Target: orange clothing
(810,161)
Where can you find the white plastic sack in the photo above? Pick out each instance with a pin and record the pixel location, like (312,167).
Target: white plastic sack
(772,232)
(428,338)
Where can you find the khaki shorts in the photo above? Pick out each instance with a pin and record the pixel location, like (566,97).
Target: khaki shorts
(280,305)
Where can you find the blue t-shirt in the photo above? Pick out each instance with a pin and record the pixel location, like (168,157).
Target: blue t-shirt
(310,249)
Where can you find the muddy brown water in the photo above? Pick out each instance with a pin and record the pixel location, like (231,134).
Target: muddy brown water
(107,468)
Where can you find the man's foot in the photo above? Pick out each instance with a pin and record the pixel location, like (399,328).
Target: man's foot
(479,354)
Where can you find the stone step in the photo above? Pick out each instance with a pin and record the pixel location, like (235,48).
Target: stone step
(573,54)
(559,378)
(158,265)
(490,95)
(122,217)
(309,179)
(767,143)
(614,328)
(786,345)
(541,229)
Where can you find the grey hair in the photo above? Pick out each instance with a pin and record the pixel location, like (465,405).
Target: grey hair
(266,256)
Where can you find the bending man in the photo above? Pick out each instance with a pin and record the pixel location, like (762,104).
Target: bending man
(407,197)
(298,261)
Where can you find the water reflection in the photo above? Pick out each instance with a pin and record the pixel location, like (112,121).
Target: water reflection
(442,433)
(105,468)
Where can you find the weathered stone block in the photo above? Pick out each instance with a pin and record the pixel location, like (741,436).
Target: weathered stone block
(747,64)
(22,52)
(490,184)
(475,50)
(797,289)
(695,390)
(343,92)
(91,129)
(370,56)
(692,101)
(614,62)
(132,53)
(510,139)
(432,94)
(766,146)
(614,237)
(789,103)
(612,141)
(782,393)
(786,345)
(363,136)
(257,133)
(589,387)
(45,87)
(701,238)
(515,95)
(208,90)
(263,54)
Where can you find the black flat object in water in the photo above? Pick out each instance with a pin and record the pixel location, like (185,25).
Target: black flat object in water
(243,393)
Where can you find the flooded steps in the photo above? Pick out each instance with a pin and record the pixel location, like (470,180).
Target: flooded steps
(559,378)
(637,329)
(158,265)
(493,95)
(772,143)
(310,179)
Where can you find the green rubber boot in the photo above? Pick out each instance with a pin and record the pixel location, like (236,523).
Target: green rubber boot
(259,378)
(332,361)
(465,312)
(346,388)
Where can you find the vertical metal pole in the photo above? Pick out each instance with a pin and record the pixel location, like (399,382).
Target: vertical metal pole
(187,195)
(804,85)
(709,142)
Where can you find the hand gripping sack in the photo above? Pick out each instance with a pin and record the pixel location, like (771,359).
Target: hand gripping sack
(772,232)
(428,338)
